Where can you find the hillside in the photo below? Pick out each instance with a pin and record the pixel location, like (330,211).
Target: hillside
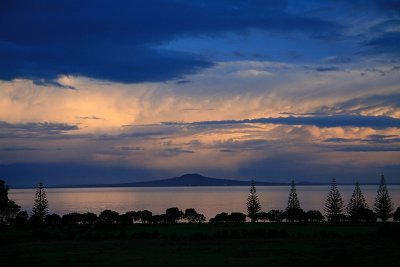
(192,179)
(189,180)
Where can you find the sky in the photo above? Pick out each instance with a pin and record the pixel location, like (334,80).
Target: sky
(123,91)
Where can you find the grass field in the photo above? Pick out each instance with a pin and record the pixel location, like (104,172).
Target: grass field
(261,244)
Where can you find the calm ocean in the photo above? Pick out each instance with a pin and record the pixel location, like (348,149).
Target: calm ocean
(207,200)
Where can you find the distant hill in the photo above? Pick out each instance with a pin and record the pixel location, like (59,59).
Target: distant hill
(192,179)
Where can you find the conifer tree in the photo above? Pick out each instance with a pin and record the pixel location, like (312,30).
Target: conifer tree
(383,203)
(293,211)
(253,204)
(293,201)
(357,204)
(40,206)
(334,204)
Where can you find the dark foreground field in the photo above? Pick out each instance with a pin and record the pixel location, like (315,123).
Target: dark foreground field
(267,244)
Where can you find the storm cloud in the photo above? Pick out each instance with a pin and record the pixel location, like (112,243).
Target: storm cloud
(121,41)
(34,129)
(375,122)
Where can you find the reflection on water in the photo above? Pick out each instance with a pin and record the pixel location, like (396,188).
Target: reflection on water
(207,200)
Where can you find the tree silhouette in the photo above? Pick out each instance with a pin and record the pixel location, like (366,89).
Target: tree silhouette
(357,205)
(396,215)
(173,214)
(133,215)
(192,216)
(237,217)
(8,208)
(275,215)
(40,205)
(144,216)
(52,219)
(72,218)
(314,216)
(159,219)
(89,218)
(293,201)
(108,217)
(334,204)
(253,204)
(220,218)
(293,211)
(383,203)
(3,194)
(261,216)
(21,218)
(234,217)
(368,215)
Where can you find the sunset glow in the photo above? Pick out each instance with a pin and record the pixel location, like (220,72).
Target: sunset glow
(239,90)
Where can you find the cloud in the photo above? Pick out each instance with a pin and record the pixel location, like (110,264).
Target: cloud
(228,151)
(182,82)
(122,41)
(39,126)
(387,43)
(252,73)
(213,63)
(389,6)
(371,139)
(367,149)
(375,6)
(129,148)
(232,145)
(17,148)
(176,151)
(382,104)
(53,83)
(323,69)
(34,129)
(375,122)
(88,118)
(138,64)
(388,25)
(129,135)
(337,60)
(382,139)
(340,140)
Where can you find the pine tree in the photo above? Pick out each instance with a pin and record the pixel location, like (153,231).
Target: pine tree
(357,204)
(293,201)
(334,204)
(383,203)
(39,210)
(253,204)
(293,211)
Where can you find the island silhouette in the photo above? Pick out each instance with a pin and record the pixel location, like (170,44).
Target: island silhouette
(189,179)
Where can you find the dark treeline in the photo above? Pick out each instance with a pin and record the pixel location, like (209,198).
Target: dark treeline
(110,217)
(335,211)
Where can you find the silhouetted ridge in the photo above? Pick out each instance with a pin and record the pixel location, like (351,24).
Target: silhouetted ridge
(191,179)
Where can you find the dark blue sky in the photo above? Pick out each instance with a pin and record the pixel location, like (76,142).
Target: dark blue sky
(119,91)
